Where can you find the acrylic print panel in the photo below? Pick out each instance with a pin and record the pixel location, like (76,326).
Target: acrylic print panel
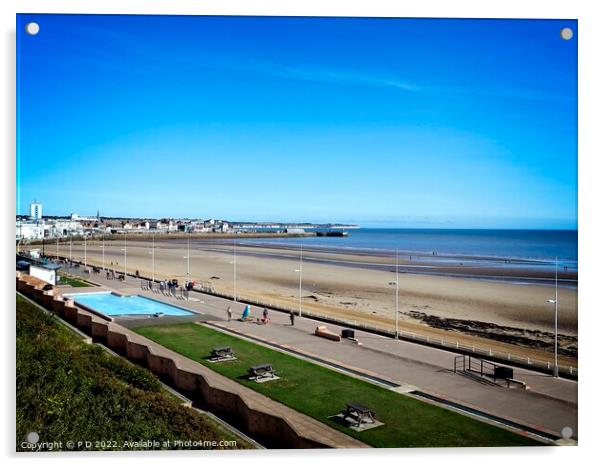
(350,232)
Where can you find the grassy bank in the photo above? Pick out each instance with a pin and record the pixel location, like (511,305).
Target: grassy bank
(320,392)
(70,391)
(71,281)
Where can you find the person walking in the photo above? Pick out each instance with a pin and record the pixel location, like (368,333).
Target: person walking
(292,317)
(229,313)
(265,315)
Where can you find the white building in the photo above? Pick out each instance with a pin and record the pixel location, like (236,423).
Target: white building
(79,218)
(35,211)
(64,228)
(29,231)
(45,272)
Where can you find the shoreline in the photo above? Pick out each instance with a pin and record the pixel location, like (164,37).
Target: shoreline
(523,271)
(499,312)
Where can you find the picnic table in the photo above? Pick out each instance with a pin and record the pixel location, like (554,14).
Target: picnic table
(261,371)
(359,413)
(222,352)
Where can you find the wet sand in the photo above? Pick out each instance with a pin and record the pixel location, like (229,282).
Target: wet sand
(360,286)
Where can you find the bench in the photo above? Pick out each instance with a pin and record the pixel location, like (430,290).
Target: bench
(520,383)
(322,331)
(262,371)
(359,413)
(224,352)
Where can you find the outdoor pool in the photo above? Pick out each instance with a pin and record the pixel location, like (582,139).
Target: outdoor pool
(110,304)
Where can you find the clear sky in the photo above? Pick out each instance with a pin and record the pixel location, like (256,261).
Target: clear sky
(382,122)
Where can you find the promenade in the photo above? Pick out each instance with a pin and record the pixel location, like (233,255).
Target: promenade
(549,405)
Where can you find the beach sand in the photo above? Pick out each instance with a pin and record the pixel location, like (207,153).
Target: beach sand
(466,309)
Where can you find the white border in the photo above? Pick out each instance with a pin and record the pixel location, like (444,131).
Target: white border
(590,151)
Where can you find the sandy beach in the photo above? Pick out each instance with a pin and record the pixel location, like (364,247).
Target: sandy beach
(359,286)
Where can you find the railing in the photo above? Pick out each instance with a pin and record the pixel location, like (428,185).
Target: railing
(477,365)
(507,358)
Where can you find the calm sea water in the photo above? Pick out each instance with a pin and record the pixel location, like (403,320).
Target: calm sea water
(532,245)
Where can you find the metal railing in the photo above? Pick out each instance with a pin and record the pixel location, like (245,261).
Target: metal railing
(545,366)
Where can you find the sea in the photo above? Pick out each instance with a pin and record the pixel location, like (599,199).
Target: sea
(533,246)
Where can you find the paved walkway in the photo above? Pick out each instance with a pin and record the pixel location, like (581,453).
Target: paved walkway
(549,405)
(305,425)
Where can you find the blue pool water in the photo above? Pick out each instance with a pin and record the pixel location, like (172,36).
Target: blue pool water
(111,304)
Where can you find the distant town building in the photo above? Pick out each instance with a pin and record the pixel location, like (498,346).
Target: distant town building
(79,218)
(35,211)
(29,231)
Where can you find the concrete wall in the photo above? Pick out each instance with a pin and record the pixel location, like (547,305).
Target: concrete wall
(256,420)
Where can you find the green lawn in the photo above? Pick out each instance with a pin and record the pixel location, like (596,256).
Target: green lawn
(320,392)
(70,281)
(71,391)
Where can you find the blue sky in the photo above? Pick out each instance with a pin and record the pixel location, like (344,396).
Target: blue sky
(382,122)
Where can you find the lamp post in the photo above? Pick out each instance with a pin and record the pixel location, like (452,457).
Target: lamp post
(70,249)
(234,264)
(300,271)
(85,252)
(396,283)
(103,252)
(125,253)
(555,303)
(153,252)
(188,257)
(396,294)
(57,247)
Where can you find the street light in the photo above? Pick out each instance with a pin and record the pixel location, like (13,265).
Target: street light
(125,253)
(234,263)
(85,252)
(103,252)
(396,283)
(153,253)
(300,272)
(555,303)
(188,257)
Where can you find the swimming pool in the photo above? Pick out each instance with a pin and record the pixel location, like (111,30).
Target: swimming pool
(111,304)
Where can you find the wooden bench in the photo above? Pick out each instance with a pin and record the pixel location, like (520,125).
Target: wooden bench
(224,352)
(520,383)
(359,413)
(261,371)
(322,331)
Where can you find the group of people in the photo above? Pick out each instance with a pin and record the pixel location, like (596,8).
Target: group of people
(265,318)
(171,286)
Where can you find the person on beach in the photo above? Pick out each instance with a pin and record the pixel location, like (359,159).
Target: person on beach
(292,317)
(229,313)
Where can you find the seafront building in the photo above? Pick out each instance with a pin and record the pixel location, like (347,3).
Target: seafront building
(36,227)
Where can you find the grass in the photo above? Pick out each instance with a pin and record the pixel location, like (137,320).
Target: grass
(320,392)
(70,281)
(70,391)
